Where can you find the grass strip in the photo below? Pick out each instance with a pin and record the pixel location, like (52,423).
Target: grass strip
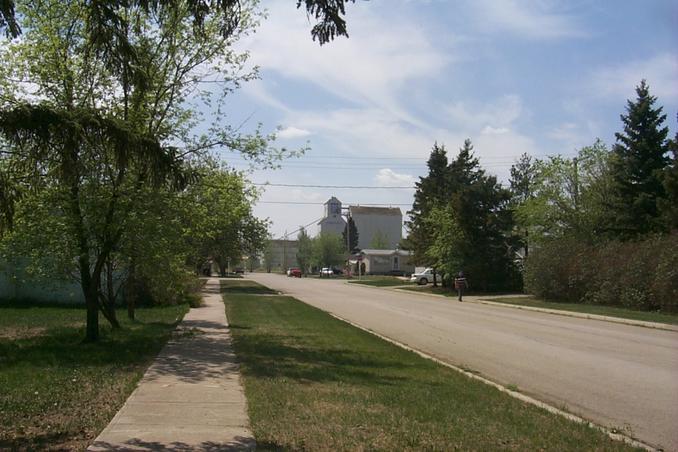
(58,393)
(316,383)
(528,300)
(591,309)
(384,281)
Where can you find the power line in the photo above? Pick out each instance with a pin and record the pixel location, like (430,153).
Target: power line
(350,187)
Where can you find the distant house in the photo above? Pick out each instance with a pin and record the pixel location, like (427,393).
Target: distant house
(386,222)
(384,262)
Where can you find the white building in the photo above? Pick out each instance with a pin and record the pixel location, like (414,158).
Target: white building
(332,222)
(371,222)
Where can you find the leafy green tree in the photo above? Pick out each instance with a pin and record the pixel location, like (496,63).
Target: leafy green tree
(640,159)
(445,253)
(350,236)
(569,196)
(379,241)
(327,250)
(670,205)
(304,250)
(94,135)
(522,190)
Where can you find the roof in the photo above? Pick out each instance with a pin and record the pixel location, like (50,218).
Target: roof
(362,210)
(372,252)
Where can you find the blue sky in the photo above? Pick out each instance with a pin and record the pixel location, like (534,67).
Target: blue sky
(536,76)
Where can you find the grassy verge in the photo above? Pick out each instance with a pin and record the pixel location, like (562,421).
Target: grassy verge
(316,383)
(380,281)
(528,300)
(591,309)
(56,392)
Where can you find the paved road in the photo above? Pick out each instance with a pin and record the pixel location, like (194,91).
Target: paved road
(620,376)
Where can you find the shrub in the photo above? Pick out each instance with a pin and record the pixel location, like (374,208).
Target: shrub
(639,275)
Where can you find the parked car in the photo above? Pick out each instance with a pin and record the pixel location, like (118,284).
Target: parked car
(337,271)
(294,272)
(239,271)
(424,277)
(326,272)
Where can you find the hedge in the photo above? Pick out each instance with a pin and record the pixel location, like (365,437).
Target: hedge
(640,274)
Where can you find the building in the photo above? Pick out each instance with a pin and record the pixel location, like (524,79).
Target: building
(283,254)
(332,222)
(372,222)
(383,262)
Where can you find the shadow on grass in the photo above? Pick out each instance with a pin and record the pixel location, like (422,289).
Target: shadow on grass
(267,356)
(64,346)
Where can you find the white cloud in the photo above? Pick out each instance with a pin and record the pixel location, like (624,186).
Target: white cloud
(369,69)
(533,19)
(660,71)
(293,132)
(389,178)
(474,119)
(489,130)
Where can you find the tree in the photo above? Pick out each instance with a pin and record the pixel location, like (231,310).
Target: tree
(522,190)
(379,241)
(481,208)
(568,196)
(95,136)
(670,205)
(640,159)
(105,17)
(350,236)
(430,191)
(445,252)
(304,250)
(327,250)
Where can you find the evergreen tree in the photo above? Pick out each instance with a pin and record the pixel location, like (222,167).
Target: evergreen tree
(639,161)
(351,242)
(481,207)
(430,191)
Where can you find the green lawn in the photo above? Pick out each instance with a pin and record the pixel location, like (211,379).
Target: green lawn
(592,309)
(55,391)
(380,281)
(316,383)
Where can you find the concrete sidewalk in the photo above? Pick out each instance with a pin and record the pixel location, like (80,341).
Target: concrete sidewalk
(191,397)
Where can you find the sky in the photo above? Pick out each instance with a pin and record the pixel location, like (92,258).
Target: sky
(538,76)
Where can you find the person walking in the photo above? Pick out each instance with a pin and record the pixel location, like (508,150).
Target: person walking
(460,284)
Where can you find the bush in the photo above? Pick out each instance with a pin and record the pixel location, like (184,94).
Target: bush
(639,275)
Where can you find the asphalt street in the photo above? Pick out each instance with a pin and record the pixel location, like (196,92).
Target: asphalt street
(620,376)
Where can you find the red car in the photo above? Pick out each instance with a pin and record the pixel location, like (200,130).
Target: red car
(294,272)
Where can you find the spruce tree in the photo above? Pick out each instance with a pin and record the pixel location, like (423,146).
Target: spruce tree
(430,191)
(351,242)
(639,162)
